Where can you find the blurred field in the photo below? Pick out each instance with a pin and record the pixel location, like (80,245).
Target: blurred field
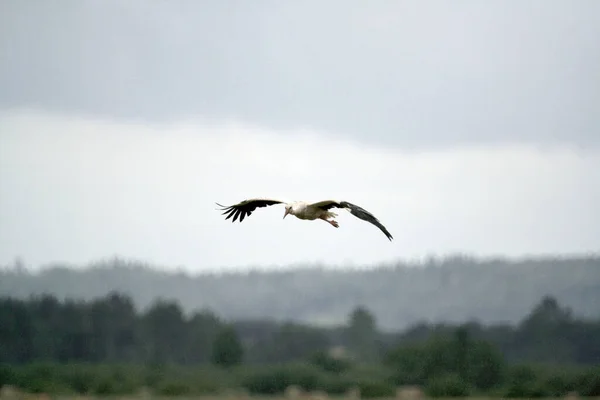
(292,393)
(226,397)
(317,397)
(289,382)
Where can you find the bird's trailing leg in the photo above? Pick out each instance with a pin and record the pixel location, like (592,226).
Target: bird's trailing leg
(331,221)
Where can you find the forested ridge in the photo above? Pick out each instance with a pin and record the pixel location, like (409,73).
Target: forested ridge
(451,289)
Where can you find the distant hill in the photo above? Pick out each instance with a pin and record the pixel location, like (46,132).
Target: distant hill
(452,289)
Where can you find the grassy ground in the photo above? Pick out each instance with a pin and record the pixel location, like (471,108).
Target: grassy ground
(17,395)
(307,396)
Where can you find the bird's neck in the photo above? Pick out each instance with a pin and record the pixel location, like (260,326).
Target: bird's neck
(296,208)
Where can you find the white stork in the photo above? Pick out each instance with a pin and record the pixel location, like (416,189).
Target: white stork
(303,210)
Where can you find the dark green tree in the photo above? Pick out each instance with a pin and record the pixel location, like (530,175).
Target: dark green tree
(165,328)
(542,335)
(293,341)
(462,349)
(361,333)
(227,350)
(203,328)
(16,331)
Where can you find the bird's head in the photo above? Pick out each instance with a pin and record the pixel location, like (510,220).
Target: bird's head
(288,210)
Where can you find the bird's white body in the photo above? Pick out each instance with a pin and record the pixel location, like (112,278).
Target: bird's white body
(303,210)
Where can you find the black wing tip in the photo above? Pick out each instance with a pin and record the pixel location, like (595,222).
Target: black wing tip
(222,206)
(354,208)
(385,231)
(235,211)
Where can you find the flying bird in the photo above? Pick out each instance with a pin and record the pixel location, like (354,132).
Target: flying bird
(303,210)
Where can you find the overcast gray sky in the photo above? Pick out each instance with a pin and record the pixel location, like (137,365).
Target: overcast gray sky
(464,126)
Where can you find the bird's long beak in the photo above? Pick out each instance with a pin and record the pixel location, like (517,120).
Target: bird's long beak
(286,213)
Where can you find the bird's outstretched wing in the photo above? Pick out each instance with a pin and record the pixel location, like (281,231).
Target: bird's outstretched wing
(355,210)
(246,207)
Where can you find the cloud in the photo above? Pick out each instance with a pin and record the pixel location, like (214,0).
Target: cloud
(421,75)
(78,189)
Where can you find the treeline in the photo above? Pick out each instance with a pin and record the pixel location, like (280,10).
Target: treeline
(107,346)
(112,329)
(451,289)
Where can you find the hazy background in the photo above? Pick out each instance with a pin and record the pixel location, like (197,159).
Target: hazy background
(469,128)
(464,126)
